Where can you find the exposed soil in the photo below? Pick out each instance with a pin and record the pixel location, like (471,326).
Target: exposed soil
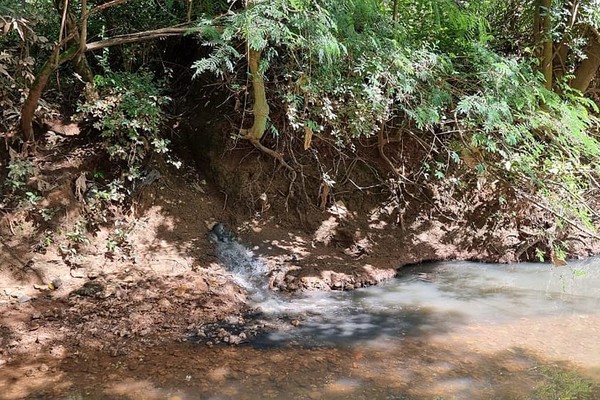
(115,297)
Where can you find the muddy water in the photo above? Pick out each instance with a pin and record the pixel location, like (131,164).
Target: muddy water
(437,299)
(438,331)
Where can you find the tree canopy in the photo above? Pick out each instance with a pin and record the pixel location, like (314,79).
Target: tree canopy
(501,90)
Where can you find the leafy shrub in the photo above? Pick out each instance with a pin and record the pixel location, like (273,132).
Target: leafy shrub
(564,385)
(126,109)
(351,71)
(19,172)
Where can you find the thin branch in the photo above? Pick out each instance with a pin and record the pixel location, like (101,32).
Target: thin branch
(104,6)
(189,10)
(272,153)
(567,220)
(62,24)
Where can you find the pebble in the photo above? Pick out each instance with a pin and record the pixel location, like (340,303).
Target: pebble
(164,303)
(234,339)
(56,283)
(77,273)
(24,299)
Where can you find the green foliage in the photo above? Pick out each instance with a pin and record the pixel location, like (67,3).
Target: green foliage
(267,26)
(455,74)
(344,69)
(444,24)
(118,241)
(533,136)
(564,385)
(78,233)
(128,114)
(19,171)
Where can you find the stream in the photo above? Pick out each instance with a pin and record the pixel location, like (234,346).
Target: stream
(438,298)
(450,330)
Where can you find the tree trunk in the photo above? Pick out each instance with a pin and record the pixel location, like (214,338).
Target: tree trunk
(587,70)
(547,51)
(261,111)
(395,12)
(536,25)
(37,87)
(261,107)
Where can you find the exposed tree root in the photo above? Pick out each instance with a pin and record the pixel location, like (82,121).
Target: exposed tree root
(381,142)
(256,143)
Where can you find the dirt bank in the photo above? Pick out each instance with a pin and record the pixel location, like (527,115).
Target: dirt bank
(147,274)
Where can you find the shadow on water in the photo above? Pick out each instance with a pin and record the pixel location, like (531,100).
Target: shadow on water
(352,328)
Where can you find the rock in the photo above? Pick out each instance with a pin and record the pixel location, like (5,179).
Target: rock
(36,315)
(55,283)
(220,233)
(234,339)
(44,368)
(24,299)
(77,273)
(93,275)
(89,289)
(164,303)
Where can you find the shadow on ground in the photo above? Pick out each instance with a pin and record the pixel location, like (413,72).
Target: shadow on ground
(412,369)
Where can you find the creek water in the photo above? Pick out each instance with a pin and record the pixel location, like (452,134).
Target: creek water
(452,330)
(438,298)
